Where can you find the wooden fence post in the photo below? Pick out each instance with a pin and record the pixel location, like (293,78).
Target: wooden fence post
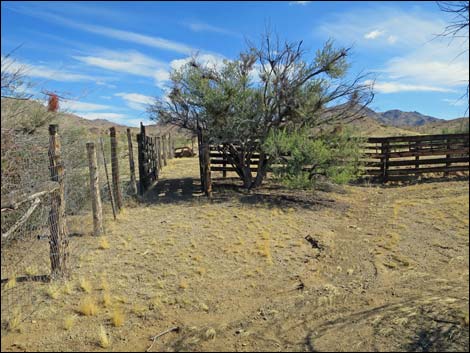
(95,190)
(164,150)
(207,170)
(159,153)
(448,156)
(170,148)
(201,159)
(131,162)
(224,172)
(155,157)
(385,152)
(110,191)
(417,148)
(192,143)
(115,169)
(58,241)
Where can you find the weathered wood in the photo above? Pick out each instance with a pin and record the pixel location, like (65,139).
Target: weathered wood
(201,158)
(164,150)
(418,138)
(420,153)
(58,240)
(23,218)
(110,191)
(115,168)
(407,171)
(131,162)
(170,147)
(229,169)
(159,153)
(95,190)
(207,171)
(412,162)
(14,200)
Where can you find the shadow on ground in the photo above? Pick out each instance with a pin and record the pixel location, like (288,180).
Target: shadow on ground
(270,195)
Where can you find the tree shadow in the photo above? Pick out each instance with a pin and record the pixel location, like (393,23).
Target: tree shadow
(270,195)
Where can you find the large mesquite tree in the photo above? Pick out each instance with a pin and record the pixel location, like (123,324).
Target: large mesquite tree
(270,87)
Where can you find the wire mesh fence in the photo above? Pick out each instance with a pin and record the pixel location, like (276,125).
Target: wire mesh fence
(47,209)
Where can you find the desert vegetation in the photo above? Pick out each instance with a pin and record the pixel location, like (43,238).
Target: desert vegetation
(295,247)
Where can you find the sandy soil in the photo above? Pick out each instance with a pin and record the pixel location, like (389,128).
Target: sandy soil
(385,268)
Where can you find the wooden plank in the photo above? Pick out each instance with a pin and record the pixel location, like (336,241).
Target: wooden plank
(228,169)
(465,151)
(418,138)
(406,171)
(397,163)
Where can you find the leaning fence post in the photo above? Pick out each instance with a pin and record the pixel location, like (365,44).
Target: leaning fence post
(58,241)
(111,197)
(131,162)
(95,190)
(115,168)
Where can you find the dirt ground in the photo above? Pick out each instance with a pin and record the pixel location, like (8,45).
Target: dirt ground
(354,268)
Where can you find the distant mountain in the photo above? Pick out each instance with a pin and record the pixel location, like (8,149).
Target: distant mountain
(400,118)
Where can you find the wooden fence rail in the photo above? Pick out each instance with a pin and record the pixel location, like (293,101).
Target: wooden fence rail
(391,158)
(405,157)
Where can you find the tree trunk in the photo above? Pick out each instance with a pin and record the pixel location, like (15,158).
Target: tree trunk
(261,171)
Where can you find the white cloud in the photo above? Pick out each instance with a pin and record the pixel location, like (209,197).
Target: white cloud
(107,116)
(127,36)
(136,101)
(41,71)
(392,39)
(303,3)
(395,87)
(420,68)
(374,34)
(455,102)
(130,62)
(418,60)
(73,105)
(205,27)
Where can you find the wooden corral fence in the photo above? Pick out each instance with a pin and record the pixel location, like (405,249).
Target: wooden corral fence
(153,154)
(391,158)
(148,157)
(407,157)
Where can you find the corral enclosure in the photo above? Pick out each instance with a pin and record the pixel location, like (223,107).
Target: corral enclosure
(262,270)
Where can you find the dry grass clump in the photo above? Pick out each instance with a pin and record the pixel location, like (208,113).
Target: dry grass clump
(103,337)
(183,284)
(11,282)
(85,285)
(106,300)
(68,288)
(104,243)
(14,320)
(88,307)
(69,321)
(31,270)
(210,334)
(117,318)
(53,291)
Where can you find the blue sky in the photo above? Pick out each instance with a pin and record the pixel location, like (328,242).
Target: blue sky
(110,58)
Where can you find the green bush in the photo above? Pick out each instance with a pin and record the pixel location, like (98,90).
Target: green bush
(299,160)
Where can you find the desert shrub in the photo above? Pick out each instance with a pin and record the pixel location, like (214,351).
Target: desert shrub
(299,161)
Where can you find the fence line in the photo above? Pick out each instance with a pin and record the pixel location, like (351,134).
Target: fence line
(387,158)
